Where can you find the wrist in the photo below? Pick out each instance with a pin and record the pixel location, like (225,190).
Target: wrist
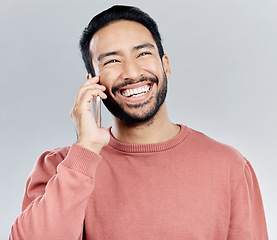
(96,148)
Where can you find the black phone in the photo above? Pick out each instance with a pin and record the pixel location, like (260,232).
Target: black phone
(96,108)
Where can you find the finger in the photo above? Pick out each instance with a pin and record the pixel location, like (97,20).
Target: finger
(84,103)
(88,95)
(92,87)
(87,87)
(95,79)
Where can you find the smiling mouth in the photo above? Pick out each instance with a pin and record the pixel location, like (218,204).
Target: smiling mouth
(135,92)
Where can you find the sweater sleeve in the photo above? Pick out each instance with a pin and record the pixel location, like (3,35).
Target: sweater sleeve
(56,196)
(247,212)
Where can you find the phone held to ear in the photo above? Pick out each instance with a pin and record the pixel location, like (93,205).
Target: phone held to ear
(96,108)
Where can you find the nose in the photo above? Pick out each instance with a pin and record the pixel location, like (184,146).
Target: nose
(131,70)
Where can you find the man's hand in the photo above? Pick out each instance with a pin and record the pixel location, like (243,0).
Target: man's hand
(89,134)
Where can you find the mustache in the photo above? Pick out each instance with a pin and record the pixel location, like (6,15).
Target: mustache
(130,82)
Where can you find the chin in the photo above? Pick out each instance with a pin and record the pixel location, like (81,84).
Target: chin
(146,109)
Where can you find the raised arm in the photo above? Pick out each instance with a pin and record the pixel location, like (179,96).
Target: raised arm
(59,187)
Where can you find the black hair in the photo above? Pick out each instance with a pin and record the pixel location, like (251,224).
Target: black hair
(111,15)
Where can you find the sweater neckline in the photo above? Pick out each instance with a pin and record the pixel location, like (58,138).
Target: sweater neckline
(152,147)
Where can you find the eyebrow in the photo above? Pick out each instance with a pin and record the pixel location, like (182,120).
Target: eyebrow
(106,54)
(145,45)
(138,47)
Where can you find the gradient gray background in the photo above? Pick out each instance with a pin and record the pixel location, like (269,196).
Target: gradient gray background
(223,58)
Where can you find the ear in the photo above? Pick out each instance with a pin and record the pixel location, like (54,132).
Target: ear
(166,66)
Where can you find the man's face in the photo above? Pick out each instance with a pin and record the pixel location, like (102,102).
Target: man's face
(125,56)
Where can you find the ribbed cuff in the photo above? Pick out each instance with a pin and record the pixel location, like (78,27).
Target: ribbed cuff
(82,160)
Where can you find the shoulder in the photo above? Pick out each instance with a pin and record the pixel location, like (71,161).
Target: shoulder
(216,154)
(210,146)
(220,158)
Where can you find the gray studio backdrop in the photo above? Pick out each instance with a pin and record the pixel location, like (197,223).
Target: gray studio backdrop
(224,71)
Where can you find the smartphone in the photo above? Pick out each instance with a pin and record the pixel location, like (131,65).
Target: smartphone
(96,108)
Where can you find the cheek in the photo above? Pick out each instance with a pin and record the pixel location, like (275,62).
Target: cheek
(112,72)
(153,67)
(108,78)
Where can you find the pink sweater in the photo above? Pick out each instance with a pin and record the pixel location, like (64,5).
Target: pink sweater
(190,187)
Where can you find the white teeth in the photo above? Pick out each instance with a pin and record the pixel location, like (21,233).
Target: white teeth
(136,92)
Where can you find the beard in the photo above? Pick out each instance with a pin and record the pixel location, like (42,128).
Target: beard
(134,118)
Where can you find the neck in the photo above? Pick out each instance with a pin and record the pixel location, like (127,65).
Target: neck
(158,129)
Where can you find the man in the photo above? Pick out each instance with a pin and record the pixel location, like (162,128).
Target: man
(145,177)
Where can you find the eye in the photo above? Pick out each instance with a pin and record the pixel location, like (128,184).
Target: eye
(144,54)
(111,61)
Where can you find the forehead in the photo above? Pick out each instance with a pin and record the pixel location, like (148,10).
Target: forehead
(120,35)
